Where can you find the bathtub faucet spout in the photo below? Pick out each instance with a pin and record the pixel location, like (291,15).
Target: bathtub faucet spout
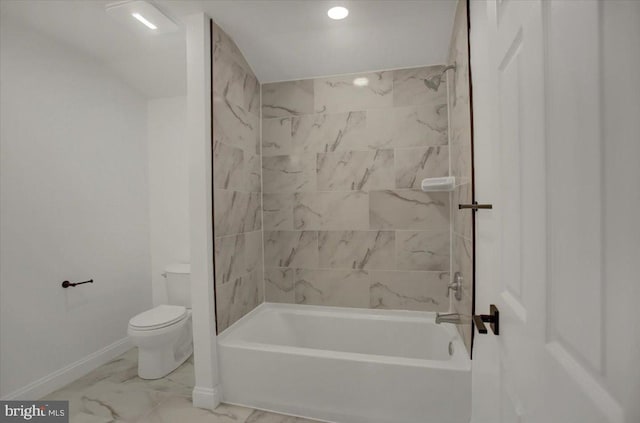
(448,318)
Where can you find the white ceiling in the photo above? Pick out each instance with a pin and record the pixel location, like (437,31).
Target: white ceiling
(281,39)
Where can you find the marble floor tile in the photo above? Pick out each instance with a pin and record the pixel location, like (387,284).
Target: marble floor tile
(178,382)
(113,393)
(110,400)
(118,368)
(121,403)
(180,409)
(82,417)
(259,416)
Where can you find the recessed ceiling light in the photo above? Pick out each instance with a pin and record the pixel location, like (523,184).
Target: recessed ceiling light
(338,12)
(142,19)
(361,81)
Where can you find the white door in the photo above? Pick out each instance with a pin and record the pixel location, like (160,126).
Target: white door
(557,152)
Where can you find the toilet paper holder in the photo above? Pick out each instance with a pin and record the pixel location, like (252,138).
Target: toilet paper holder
(67,284)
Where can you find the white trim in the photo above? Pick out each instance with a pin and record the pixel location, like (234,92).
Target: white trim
(207,398)
(61,377)
(200,210)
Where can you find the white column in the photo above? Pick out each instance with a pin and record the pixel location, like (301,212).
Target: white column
(206,393)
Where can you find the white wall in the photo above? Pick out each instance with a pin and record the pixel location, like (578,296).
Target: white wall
(168,188)
(73,205)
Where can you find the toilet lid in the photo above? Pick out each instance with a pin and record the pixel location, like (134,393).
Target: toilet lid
(158,317)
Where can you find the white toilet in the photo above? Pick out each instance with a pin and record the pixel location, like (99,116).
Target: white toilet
(163,334)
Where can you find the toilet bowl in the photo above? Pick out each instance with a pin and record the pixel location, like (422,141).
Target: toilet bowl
(163,334)
(164,340)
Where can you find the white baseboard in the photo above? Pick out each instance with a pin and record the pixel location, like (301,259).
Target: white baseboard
(56,380)
(206,397)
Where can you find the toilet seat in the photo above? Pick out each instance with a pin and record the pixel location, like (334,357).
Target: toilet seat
(158,317)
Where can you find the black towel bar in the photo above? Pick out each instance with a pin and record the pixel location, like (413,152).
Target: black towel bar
(67,284)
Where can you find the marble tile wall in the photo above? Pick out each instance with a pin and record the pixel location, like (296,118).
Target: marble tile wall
(237,174)
(345,223)
(460,147)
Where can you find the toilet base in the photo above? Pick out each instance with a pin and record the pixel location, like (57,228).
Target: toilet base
(161,351)
(156,364)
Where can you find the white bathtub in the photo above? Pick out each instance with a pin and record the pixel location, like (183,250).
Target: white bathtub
(346,365)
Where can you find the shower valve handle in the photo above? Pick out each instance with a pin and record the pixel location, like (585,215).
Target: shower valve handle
(456,286)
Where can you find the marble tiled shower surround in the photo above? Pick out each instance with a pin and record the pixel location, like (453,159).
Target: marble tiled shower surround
(345,221)
(237,213)
(460,127)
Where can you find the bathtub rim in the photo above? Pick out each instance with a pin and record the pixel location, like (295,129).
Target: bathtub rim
(460,361)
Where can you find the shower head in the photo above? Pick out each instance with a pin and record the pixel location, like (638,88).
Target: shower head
(435,80)
(449,67)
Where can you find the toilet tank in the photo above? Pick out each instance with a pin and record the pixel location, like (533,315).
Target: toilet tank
(179,284)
